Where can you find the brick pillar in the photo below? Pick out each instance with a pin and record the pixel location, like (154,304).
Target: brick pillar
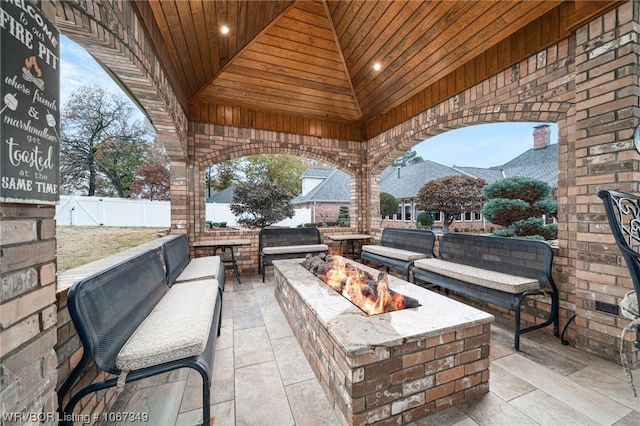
(28,315)
(607,99)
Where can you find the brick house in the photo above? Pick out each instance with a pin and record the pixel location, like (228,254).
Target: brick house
(325,190)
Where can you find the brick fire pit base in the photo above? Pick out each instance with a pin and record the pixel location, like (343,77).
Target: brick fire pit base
(391,368)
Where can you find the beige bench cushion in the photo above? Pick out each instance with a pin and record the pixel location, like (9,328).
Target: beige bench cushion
(394,253)
(178,327)
(305,248)
(482,277)
(200,268)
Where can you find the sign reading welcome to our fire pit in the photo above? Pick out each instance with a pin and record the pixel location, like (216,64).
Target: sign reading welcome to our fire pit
(29,109)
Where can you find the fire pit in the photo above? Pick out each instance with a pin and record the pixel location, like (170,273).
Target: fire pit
(371,295)
(394,367)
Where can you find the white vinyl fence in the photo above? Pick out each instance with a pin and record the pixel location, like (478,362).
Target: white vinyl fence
(104,211)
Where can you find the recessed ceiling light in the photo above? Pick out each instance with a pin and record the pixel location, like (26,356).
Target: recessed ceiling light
(224,29)
(377,66)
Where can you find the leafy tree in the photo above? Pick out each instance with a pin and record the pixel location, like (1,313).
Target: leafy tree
(223,175)
(283,169)
(408,158)
(388,204)
(154,176)
(100,149)
(518,204)
(258,204)
(451,195)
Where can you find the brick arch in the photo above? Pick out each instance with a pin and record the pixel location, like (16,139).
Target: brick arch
(99,27)
(234,152)
(428,124)
(214,143)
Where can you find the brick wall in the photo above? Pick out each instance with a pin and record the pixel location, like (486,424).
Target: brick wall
(602,156)
(247,255)
(212,144)
(28,314)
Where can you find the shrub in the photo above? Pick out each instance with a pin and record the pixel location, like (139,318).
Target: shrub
(344,218)
(517,204)
(425,219)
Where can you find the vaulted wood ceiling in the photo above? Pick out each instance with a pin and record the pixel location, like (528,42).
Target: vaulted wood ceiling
(313,61)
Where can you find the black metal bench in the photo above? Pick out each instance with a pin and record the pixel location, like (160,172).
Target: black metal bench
(623,214)
(287,243)
(500,271)
(134,326)
(399,248)
(182,269)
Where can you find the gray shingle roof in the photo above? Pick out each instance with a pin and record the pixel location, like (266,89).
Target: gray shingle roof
(334,188)
(222,197)
(541,163)
(316,173)
(405,182)
(489,175)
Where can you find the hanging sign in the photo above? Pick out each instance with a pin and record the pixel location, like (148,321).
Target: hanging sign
(29,104)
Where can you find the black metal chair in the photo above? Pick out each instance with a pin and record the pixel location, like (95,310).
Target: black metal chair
(623,213)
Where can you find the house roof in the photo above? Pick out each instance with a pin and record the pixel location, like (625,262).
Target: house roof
(489,175)
(222,197)
(334,188)
(541,163)
(405,182)
(316,173)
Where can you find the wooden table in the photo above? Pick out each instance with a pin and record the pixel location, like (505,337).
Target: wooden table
(224,245)
(351,241)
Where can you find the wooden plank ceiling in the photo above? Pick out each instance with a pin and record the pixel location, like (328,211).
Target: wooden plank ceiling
(314,60)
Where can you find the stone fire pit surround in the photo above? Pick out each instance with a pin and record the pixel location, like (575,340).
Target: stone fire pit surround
(391,368)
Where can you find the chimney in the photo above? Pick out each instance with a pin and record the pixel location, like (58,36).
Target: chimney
(541,136)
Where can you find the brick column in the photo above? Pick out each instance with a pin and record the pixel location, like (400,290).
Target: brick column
(28,314)
(607,99)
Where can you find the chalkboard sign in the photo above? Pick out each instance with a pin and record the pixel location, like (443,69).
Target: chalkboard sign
(29,105)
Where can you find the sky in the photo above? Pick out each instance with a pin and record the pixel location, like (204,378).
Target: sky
(484,145)
(77,68)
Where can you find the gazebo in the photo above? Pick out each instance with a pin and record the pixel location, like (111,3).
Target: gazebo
(354,84)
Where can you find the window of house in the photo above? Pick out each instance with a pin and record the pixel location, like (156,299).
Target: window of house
(407,210)
(478,216)
(436,216)
(468,216)
(459,216)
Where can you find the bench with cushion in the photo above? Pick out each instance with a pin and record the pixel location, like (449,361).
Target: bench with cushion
(500,271)
(399,248)
(134,326)
(287,243)
(181,269)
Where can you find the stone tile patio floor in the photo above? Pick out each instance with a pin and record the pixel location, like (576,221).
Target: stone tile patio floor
(261,377)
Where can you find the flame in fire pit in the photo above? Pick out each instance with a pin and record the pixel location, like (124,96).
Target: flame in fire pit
(371,295)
